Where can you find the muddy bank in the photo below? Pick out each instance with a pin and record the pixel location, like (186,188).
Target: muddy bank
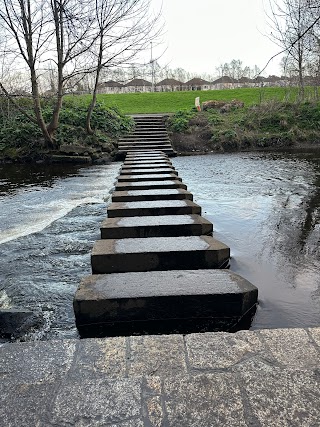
(198,143)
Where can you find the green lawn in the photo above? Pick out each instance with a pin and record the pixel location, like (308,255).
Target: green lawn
(170,102)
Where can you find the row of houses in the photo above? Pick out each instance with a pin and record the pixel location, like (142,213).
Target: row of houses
(173,85)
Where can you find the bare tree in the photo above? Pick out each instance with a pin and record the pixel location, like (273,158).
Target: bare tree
(123,30)
(294,25)
(47,34)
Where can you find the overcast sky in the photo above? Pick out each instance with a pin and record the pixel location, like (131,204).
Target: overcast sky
(202,34)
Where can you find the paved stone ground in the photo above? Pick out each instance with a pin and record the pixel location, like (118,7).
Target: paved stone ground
(252,378)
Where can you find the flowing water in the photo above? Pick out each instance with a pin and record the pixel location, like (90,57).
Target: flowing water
(265,206)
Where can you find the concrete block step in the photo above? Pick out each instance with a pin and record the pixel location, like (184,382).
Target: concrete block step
(145,136)
(153,207)
(149,157)
(142,167)
(145,160)
(150,127)
(143,143)
(145,195)
(155,226)
(151,132)
(163,147)
(147,163)
(152,170)
(147,152)
(158,253)
(167,149)
(149,119)
(163,302)
(149,185)
(146,155)
(147,177)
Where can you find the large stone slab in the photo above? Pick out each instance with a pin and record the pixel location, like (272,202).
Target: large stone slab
(149,185)
(145,152)
(153,208)
(147,177)
(147,163)
(151,171)
(144,195)
(180,301)
(155,226)
(158,253)
(148,157)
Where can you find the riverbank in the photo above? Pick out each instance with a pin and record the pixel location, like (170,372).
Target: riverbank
(226,128)
(21,140)
(270,125)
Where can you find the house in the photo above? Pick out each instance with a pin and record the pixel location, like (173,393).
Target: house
(110,87)
(224,82)
(169,85)
(197,84)
(138,85)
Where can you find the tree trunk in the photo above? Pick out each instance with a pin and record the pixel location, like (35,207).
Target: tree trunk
(38,111)
(93,102)
(95,89)
(54,123)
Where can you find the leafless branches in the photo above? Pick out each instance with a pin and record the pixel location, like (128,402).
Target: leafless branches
(69,39)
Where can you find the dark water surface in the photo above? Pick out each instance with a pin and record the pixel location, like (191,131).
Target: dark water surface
(266,207)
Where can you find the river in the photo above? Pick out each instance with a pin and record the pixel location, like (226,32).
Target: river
(265,206)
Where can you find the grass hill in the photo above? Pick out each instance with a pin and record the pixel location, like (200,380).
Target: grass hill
(171,102)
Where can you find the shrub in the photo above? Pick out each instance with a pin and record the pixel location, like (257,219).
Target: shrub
(18,131)
(179,122)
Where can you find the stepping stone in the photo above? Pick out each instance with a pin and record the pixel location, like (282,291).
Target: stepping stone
(155,226)
(167,170)
(158,253)
(144,195)
(148,177)
(148,185)
(146,162)
(153,207)
(147,157)
(138,165)
(146,154)
(181,301)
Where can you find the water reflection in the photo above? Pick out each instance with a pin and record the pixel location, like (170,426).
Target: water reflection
(16,176)
(265,206)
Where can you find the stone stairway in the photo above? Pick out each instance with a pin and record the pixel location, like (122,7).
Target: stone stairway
(150,133)
(157,268)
